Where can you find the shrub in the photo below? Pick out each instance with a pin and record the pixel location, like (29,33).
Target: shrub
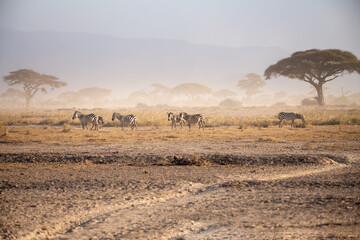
(280,104)
(231,103)
(309,102)
(66,128)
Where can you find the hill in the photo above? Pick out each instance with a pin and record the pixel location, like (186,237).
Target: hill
(125,65)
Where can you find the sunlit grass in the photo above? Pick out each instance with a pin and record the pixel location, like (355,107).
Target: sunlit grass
(213,118)
(70,135)
(57,127)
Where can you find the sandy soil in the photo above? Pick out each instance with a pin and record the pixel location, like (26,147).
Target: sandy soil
(181,190)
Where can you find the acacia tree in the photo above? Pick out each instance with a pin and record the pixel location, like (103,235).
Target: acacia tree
(160,89)
(315,67)
(159,94)
(191,90)
(251,84)
(139,96)
(32,82)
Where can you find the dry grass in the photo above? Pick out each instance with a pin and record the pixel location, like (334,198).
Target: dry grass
(60,135)
(56,127)
(333,117)
(214,117)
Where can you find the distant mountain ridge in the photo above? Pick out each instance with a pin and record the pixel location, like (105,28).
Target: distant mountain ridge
(124,65)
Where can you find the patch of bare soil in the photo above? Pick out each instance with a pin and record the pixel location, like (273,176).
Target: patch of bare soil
(180,191)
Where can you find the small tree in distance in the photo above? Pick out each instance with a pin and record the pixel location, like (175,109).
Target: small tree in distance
(315,67)
(32,82)
(251,84)
(191,90)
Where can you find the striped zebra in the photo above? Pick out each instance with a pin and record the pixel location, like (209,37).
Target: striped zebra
(86,119)
(126,120)
(100,122)
(290,116)
(193,119)
(175,119)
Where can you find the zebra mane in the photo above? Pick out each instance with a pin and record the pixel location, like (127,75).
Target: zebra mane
(77,114)
(116,115)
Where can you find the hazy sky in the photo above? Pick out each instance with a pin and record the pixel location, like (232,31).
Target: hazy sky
(288,24)
(292,25)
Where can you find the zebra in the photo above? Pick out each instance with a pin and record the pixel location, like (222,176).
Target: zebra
(290,116)
(100,122)
(86,119)
(175,119)
(193,119)
(126,119)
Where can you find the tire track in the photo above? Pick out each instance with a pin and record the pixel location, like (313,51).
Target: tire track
(161,217)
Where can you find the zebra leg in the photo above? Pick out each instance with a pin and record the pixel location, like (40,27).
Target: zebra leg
(201,124)
(292,123)
(93,124)
(134,125)
(122,124)
(189,126)
(280,123)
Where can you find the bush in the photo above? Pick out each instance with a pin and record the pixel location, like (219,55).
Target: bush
(280,104)
(66,128)
(230,103)
(309,102)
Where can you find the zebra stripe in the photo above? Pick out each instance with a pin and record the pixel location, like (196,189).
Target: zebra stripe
(86,119)
(193,119)
(289,116)
(126,120)
(100,122)
(175,119)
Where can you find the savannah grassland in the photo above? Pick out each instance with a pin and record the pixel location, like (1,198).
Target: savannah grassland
(244,125)
(242,177)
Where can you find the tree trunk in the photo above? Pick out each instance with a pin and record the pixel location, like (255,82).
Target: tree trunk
(28,103)
(320,96)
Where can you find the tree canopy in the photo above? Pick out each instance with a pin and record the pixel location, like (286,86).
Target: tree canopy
(251,84)
(315,67)
(32,82)
(160,89)
(94,93)
(191,90)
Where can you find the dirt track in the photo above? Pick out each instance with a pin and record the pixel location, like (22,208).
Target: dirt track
(181,190)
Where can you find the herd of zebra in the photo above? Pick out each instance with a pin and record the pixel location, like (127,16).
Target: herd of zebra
(181,118)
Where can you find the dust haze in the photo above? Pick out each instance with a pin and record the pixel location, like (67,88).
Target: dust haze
(175,54)
(263,141)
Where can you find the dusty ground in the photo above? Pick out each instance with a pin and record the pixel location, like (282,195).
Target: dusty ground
(208,189)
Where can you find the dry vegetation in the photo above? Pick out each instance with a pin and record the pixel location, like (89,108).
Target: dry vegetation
(59,181)
(246,125)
